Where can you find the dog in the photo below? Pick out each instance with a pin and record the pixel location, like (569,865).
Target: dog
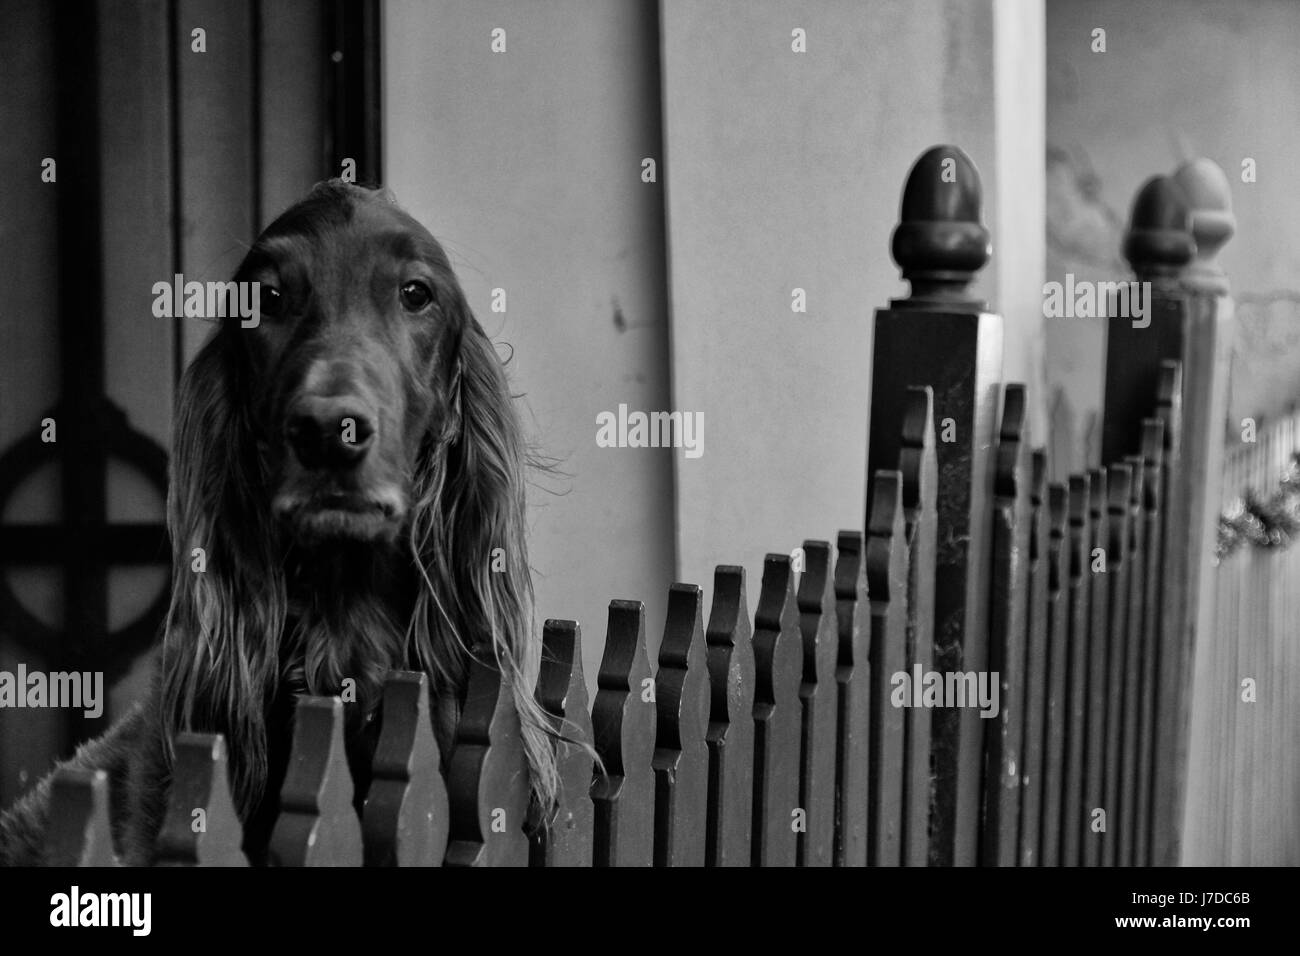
(353,468)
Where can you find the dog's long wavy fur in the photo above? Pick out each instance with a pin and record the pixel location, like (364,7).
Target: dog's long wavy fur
(268,620)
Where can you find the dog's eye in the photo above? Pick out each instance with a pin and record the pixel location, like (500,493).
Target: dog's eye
(270,300)
(415,296)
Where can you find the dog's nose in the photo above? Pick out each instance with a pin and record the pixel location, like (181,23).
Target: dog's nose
(334,432)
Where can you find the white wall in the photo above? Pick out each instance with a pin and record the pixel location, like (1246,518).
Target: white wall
(1018,214)
(526,165)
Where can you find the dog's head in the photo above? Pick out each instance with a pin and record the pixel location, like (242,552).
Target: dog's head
(355,364)
(363,423)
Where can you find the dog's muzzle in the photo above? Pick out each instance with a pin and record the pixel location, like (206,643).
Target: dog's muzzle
(331,488)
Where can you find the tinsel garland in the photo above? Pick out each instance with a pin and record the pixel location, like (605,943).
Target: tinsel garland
(1271,523)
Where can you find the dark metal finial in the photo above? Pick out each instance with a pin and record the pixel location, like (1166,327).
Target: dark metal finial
(940,242)
(1158,243)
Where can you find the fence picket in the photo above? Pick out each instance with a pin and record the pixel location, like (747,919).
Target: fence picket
(1130,685)
(317,825)
(405,819)
(623,725)
(1056,704)
(1098,630)
(1034,741)
(918,464)
(201,827)
(1011,514)
(562,694)
(681,759)
(79,833)
(853,678)
(730,737)
(487,776)
(1073,795)
(886,559)
(778,664)
(1117,552)
(1173,619)
(818,695)
(1153,515)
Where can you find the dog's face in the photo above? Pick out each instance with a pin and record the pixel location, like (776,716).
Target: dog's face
(353,363)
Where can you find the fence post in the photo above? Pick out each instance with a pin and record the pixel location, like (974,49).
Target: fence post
(940,337)
(1206,367)
(1189,321)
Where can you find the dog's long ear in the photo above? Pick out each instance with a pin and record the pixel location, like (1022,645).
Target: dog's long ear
(228,596)
(468,535)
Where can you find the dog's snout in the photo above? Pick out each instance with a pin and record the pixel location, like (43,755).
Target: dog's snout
(333,432)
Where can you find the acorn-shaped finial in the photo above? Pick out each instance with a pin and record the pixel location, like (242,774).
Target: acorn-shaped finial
(1158,243)
(1209,203)
(940,242)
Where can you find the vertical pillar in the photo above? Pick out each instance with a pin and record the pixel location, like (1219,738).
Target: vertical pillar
(1207,363)
(1177,226)
(939,336)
